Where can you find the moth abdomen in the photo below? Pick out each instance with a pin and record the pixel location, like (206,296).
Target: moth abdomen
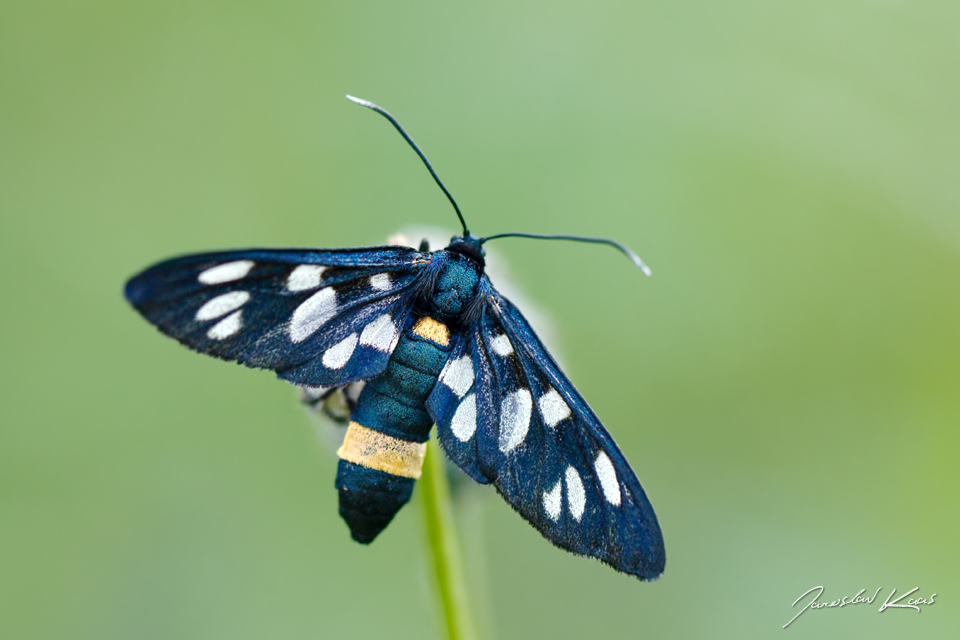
(383,449)
(369,498)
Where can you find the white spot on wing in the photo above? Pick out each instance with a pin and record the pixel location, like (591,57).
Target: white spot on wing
(227,272)
(464,422)
(226,327)
(222,305)
(501,345)
(312,314)
(380,334)
(553,408)
(458,375)
(305,276)
(339,354)
(551,502)
(608,479)
(576,496)
(514,419)
(381,282)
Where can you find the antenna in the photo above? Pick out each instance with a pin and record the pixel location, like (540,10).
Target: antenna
(613,243)
(406,136)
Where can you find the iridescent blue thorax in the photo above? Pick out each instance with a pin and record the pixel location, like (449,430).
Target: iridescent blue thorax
(455,286)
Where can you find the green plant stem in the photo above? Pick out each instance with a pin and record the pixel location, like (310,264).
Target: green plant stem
(445,547)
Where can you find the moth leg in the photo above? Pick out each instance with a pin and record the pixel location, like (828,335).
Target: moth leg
(336,403)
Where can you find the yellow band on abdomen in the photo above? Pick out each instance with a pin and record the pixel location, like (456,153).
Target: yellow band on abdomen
(375,450)
(429,329)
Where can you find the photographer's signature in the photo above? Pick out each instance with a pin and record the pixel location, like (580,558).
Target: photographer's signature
(912,603)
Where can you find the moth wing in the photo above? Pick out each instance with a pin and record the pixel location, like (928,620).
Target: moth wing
(519,423)
(316,317)
(453,406)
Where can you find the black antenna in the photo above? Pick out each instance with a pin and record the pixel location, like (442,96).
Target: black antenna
(613,243)
(406,136)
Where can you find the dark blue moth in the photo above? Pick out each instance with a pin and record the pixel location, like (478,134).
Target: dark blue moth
(436,344)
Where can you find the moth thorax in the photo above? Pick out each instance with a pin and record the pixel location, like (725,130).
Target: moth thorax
(456,286)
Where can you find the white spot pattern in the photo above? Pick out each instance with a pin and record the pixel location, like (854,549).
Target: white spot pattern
(514,419)
(227,272)
(305,276)
(576,496)
(226,327)
(381,282)
(464,422)
(551,501)
(312,314)
(458,375)
(501,345)
(222,305)
(380,334)
(553,408)
(608,479)
(339,354)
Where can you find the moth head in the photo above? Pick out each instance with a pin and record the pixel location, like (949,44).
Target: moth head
(468,246)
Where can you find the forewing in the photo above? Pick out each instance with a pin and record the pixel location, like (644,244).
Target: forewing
(536,439)
(453,406)
(315,317)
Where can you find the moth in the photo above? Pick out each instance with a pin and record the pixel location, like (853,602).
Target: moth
(435,343)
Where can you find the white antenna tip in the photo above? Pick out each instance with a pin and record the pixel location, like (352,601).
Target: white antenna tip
(637,261)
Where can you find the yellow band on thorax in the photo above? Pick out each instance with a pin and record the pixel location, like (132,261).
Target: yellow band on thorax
(429,329)
(375,450)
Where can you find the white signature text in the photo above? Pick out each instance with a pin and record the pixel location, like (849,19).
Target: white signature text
(912,603)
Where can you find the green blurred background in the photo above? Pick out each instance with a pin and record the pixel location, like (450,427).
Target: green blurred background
(787,385)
